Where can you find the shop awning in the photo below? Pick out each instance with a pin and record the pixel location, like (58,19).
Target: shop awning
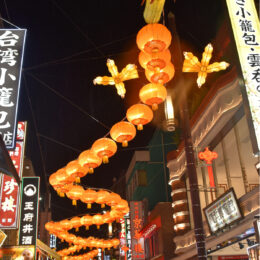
(151,227)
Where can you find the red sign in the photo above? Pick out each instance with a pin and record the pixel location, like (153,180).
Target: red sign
(136,215)
(149,230)
(9,193)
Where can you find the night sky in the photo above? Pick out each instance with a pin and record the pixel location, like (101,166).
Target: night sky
(67,45)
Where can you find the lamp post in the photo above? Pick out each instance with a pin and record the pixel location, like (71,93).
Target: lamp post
(185,126)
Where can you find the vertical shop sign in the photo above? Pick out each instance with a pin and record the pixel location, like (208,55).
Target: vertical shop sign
(246,29)
(128,236)
(137,222)
(53,241)
(122,236)
(9,191)
(11,57)
(29,211)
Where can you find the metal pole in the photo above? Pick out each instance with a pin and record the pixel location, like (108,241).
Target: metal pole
(189,152)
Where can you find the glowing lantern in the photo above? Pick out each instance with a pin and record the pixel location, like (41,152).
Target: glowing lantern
(155,61)
(153,94)
(102,197)
(117,79)
(192,64)
(104,148)
(98,220)
(153,38)
(54,182)
(66,224)
(139,115)
(89,159)
(123,132)
(161,76)
(63,189)
(73,169)
(153,10)
(89,197)
(76,223)
(115,242)
(114,199)
(107,218)
(75,193)
(108,244)
(86,221)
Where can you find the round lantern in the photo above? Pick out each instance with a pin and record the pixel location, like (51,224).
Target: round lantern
(89,197)
(86,221)
(104,148)
(139,115)
(153,38)
(102,197)
(123,132)
(76,192)
(73,169)
(161,76)
(66,224)
(98,220)
(75,222)
(115,242)
(89,159)
(154,61)
(153,94)
(114,199)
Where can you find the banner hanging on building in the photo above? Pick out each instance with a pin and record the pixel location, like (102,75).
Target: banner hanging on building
(137,223)
(11,59)
(29,211)
(246,29)
(9,191)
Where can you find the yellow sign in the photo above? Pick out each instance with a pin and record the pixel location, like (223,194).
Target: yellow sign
(18,252)
(246,28)
(2,237)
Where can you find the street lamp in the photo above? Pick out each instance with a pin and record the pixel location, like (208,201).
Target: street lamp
(169,114)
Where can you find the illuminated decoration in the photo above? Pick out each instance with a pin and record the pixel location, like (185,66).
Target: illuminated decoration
(153,10)
(223,212)
(192,64)
(246,28)
(73,169)
(75,193)
(161,76)
(153,38)
(89,159)
(208,156)
(154,61)
(29,211)
(139,115)
(123,132)
(117,79)
(104,148)
(153,95)
(89,197)
(169,114)
(3,237)
(102,197)
(9,190)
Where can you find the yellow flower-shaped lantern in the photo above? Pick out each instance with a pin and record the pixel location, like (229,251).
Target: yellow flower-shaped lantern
(117,79)
(192,64)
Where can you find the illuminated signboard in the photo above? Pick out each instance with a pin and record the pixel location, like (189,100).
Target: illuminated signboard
(29,211)
(137,222)
(18,252)
(11,57)
(53,241)
(246,28)
(223,212)
(122,236)
(128,236)
(9,191)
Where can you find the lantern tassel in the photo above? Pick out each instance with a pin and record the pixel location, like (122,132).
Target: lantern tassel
(91,170)
(89,205)
(74,202)
(105,159)
(211,177)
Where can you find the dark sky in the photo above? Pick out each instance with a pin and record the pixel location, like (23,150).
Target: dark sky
(67,45)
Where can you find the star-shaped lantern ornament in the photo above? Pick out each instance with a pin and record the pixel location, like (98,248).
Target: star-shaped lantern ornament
(117,79)
(192,64)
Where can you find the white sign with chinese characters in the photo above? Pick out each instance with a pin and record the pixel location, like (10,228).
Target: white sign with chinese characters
(11,57)
(246,28)
(29,211)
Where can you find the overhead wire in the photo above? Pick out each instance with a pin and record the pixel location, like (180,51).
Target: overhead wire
(68,100)
(9,22)
(78,28)
(59,61)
